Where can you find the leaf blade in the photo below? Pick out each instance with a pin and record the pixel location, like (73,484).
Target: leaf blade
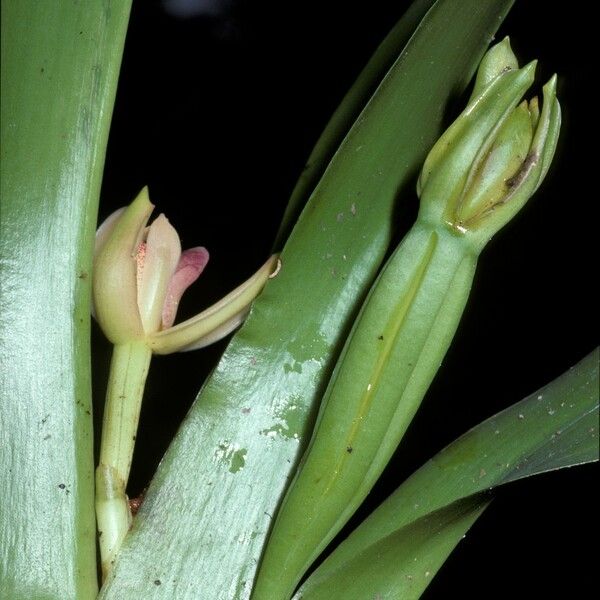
(491,454)
(341,120)
(416,552)
(60,64)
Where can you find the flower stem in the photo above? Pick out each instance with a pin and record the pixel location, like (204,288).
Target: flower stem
(128,371)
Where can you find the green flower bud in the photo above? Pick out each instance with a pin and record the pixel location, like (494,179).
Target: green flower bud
(493,175)
(495,155)
(497,60)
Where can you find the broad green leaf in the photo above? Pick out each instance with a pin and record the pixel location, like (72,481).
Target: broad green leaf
(210,504)
(555,427)
(60,63)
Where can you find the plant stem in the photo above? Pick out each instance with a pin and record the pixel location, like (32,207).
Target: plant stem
(128,372)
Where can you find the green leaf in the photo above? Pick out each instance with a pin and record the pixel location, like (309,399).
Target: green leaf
(400,565)
(350,107)
(210,504)
(555,427)
(60,63)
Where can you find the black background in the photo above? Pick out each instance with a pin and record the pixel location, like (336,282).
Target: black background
(217,112)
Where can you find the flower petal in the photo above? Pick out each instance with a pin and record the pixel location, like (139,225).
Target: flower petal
(217,319)
(190,266)
(106,228)
(156,262)
(114,286)
(102,234)
(220,332)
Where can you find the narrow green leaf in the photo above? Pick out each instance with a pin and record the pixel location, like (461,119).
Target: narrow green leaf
(210,504)
(401,565)
(60,63)
(344,115)
(555,427)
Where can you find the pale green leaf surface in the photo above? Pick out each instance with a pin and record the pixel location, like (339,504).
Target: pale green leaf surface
(60,63)
(203,523)
(555,427)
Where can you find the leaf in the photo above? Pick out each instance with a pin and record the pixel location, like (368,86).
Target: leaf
(401,565)
(350,107)
(60,63)
(210,504)
(553,428)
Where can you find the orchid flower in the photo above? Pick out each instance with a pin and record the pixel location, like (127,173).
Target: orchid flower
(140,274)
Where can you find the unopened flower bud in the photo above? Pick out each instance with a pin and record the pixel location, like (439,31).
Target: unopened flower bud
(495,155)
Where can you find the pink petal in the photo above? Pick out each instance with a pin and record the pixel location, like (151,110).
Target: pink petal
(190,266)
